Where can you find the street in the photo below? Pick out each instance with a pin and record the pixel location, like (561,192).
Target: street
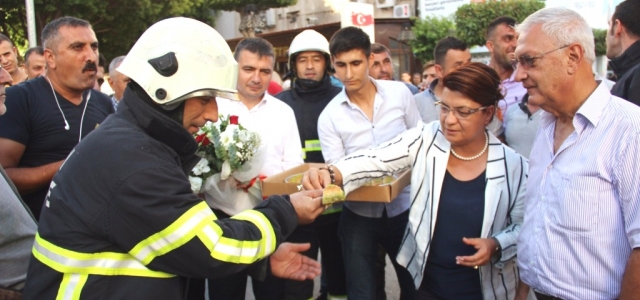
(391,284)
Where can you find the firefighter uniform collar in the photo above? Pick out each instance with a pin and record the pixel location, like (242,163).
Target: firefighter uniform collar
(160,128)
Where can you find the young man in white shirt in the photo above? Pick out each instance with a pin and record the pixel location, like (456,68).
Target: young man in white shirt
(365,114)
(276,123)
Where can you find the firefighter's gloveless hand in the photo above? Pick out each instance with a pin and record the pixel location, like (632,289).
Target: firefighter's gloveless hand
(288,262)
(308,205)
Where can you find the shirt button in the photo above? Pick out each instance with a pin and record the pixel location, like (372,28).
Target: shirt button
(550,167)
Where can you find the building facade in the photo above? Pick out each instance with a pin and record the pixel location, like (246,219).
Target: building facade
(281,25)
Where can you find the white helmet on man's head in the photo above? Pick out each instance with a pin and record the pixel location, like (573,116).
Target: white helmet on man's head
(180,58)
(308,40)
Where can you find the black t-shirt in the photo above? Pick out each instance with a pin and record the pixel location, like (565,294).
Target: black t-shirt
(34,120)
(460,214)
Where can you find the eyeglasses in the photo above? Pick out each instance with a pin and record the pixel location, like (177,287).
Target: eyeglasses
(458,112)
(527,61)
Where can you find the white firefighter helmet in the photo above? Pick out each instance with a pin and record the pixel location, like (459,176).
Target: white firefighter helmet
(308,40)
(180,58)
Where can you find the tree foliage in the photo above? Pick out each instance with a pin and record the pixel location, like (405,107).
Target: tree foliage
(600,36)
(428,32)
(117,23)
(472,19)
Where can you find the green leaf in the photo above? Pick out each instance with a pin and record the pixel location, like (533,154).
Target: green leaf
(472,19)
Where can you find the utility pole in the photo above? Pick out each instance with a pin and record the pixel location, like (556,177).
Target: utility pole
(31,24)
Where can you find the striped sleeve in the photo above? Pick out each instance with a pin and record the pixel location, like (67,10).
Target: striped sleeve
(392,156)
(518,168)
(627,178)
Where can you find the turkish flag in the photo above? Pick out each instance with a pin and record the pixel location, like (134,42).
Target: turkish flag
(360,19)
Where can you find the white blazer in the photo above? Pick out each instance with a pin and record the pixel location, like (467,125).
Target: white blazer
(425,149)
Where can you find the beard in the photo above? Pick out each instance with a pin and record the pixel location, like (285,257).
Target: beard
(504,61)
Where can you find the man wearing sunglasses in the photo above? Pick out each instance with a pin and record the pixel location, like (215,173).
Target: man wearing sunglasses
(623,48)
(580,238)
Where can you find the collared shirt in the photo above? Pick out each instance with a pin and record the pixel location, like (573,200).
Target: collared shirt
(582,210)
(114,102)
(522,129)
(275,122)
(425,102)
(344,128)
(514,92)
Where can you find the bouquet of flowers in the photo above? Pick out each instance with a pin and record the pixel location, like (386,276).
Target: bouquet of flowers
(225,147)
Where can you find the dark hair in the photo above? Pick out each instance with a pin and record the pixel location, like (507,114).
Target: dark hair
(377,48)
(50,32)
(256,45)
(628,12)
(509,21)
(446,44)
(37,50)
(4,38)
(102,61)
(477,81)
(350,38)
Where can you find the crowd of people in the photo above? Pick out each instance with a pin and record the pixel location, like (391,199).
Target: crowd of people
(523,171)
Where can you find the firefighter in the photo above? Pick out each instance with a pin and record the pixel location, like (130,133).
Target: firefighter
(120,220)
(311,91)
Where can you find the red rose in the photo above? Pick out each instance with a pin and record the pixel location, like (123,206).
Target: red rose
(203,139)
(233,120)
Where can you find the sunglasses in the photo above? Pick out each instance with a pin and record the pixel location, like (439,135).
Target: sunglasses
(527,61)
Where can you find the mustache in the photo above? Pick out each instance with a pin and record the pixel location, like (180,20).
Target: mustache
(90,66)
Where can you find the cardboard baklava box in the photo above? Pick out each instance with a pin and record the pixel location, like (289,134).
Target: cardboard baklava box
(276,185)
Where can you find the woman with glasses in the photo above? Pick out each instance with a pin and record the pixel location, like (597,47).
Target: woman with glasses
(467,192)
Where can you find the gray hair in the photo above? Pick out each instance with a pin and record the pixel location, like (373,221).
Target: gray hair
(115,63)
(51,31)
(563,25)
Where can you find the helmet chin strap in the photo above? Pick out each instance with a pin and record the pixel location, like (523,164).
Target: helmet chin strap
(176,112)
(309,84)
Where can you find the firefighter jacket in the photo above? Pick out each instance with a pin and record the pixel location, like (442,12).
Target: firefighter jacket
(121,222)
(307,104)
(627,69)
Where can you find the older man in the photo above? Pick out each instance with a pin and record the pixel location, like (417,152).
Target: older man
(49,115)
(9,60)
(623,48)
(34,63)
(581,233)
(117,81)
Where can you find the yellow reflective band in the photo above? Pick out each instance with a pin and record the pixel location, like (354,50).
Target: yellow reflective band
(175,235)
(229,250)
(102,263)
(268,241)
(71,286)
(312,145)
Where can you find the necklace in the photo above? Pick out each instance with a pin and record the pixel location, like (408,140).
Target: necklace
(486,145)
